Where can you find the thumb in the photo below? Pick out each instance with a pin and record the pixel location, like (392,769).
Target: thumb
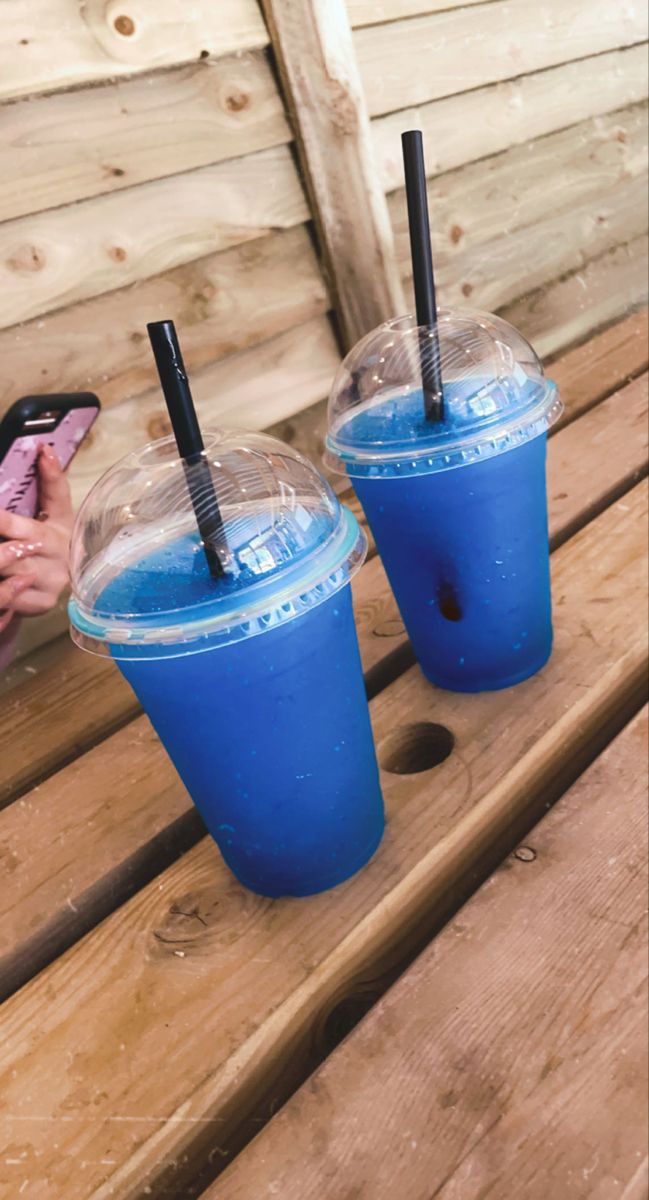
(53,487)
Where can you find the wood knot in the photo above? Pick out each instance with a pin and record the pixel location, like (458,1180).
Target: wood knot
(467,289)
(456,233)
(27,258)
(124,25)
(236,100)
(525,854)
(206,292)
(159,426)
(198,920)
(117,253)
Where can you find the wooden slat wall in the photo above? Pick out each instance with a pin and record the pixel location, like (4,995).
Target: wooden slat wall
(148,169)
(48,44)
(534,123)
(167,188)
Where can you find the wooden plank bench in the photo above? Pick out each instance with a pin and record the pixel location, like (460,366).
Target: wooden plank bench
(511,1059)
(112,839)
(156,1042)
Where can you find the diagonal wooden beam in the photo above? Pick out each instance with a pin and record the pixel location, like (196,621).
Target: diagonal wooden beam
(319,74)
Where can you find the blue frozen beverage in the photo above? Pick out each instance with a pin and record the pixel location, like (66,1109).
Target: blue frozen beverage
(253,681)
(458,508)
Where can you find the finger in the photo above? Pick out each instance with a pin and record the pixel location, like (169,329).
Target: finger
(34,603)
(14,552)
(53,487)
(12,589)
(51,542)
(49,575)
(17,528)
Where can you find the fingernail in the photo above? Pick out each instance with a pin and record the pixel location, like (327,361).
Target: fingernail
(50,454)
(19,550)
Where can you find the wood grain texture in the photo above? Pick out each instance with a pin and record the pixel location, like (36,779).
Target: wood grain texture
(375,12)
(485,44)
(88,849)
(568,309)
(486,120)
(584,377)
(495,240)
(592,370)
(591,463)
(195,994)
(511,1059)
(49,44)
(79,251)
(223,303)
(315,55)
(489,201)
(250,390)
(69,146)
(231,995)
(498,272)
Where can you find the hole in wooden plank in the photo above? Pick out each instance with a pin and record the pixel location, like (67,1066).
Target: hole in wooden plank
(416,747)
(391,627)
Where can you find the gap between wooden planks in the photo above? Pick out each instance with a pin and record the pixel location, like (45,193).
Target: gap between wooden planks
(489,43)
(485,121)
(119,813)
(134,130)
(71,254)
(375,12)
(50,44)
(225,303)
(510,1060)
(195,996)
(92,699)
(581,167)
(565,311)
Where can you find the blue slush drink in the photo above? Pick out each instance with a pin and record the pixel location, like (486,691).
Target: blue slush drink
(458,508)
(252,681)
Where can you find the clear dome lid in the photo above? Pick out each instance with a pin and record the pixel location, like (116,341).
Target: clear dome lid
(495,396)
(141,585)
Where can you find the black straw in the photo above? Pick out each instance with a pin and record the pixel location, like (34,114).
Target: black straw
(422,270)
(184,422)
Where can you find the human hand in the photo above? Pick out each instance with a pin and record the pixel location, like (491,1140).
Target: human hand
(34,559)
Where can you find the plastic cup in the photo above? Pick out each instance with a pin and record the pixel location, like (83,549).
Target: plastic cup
(253,681)
(458,507)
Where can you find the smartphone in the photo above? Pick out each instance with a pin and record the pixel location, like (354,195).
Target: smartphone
(61,421)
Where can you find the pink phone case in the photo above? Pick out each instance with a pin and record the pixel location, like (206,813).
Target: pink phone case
(18,478)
